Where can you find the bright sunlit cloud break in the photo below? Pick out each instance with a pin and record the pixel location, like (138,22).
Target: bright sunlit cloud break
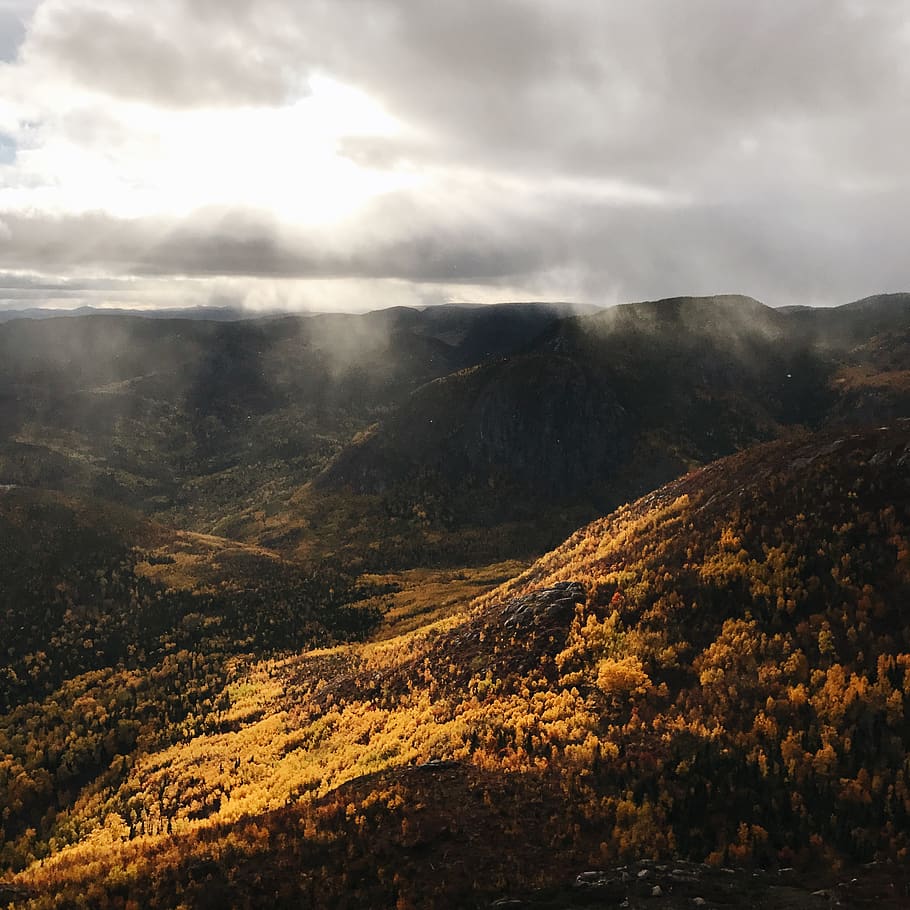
(132,159)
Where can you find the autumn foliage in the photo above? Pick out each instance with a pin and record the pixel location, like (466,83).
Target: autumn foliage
(730,686)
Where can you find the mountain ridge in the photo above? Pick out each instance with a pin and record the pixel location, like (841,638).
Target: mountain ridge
(640,393)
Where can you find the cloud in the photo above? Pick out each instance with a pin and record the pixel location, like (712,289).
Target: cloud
(14,18)
(496,242)
(170,53)
(603,148)
(602,86)
(401,237)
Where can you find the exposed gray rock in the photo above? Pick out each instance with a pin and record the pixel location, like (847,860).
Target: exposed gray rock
(645,883)
(434,764)
(584,878)
(544,606)
(681,875)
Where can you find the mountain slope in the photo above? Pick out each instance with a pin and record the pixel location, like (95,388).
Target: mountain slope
(850,324)
(120,636)
(504,426)
(601,409)
(193,420)
(86,586)
(718,671)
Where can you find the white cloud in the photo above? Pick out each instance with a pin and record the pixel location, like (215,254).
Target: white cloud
(79,152)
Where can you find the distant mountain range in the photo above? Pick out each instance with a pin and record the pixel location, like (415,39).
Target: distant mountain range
(218,314)
(444,312)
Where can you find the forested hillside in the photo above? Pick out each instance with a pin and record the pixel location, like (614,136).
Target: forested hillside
(120,636)
(716,672)
(598,411)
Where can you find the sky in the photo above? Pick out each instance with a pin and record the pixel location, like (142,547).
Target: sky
(353,154)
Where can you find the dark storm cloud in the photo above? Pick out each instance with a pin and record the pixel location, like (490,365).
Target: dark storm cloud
(719,100)
(18,286)
(170,53)
(817,249)
(422,247)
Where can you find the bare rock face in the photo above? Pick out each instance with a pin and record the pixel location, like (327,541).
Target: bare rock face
(544,607)
(510,638)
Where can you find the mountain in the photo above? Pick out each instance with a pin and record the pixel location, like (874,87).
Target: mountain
(362,685)
(716,672)
(449,435)
(192,420)
(211,313)
(606,406)
(563,418)
(508,424)
(853,322)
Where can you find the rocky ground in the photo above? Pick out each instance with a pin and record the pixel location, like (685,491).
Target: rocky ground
(660,886)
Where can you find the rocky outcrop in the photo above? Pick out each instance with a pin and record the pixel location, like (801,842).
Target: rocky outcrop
(545,607)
